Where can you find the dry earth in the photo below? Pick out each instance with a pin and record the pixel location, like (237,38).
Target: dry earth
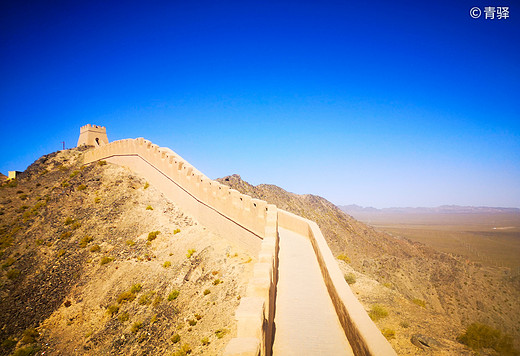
(424,291)
(75,241)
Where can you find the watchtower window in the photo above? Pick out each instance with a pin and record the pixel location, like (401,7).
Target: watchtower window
(97,141)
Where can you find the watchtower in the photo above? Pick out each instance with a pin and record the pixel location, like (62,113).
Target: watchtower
(92,135)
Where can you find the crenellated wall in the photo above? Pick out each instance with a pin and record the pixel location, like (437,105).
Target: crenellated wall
(239,217)
(253,225)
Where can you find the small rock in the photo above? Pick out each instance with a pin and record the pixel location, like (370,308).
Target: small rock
(424,342)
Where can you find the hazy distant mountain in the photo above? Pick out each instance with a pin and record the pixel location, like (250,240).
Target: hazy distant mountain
(443,209)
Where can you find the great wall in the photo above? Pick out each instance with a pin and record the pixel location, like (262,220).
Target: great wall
(297,302)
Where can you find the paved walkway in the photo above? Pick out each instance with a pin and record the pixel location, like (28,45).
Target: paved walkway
(306,322)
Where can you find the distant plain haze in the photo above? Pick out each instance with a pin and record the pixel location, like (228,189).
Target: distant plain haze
(380,104)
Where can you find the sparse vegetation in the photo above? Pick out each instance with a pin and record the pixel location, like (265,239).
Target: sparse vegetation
(102,163)
(95,248)
(97,200)
(377,312)
(112,309)
(146,185)
(13,273)
(207,291)
(130,242)
(65,235)
(69,220)
(220,333)
(81,187)
(153,235)
(192,322)
(136,326)
(124,317)
(190,253)
(146,298)
(173,295)
(478,336)
(183,351)
(85,241)
(350,278)
(404,324)
(419,302)
(167,264)
(29,336)
(136,288)
(105,260)
(176,338)
(149,207)
(343,257)
(176,231)
(204,341)
(388,333)
(61,252)
(217,282)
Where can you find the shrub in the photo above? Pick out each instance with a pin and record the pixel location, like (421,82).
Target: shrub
(61,252)
(217,281)
(198,316)
(183,351)
(192,322)
(97,200)
(207,291)
(388,333)
(13,274)
(73,174)
(102,163)
(149,207)
(69,221)
(173,295)
(95,248)
(190,253)
(377,312)
(124,317)
(126,296)
(64,184)
(85,241)
(112,309)
(29,336)
(167,264)
(419,302)
(350,278)
(81,187)
(136,288)
(26,351)
(153,235)
(158,299)
(146,185)
(343,257)
(204,341)
(478,336)
(404,324)
(130,242)
(176,338)
(221,332)
(146,299)
(75,225)
(65,235)
(136,326)
(23,196)
(105,260)
(176,231)
(8,263)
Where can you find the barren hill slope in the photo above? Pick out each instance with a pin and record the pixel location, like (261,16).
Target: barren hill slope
(94,260)
(425,291)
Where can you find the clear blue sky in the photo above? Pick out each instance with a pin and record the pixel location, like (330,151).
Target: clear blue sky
(397,103)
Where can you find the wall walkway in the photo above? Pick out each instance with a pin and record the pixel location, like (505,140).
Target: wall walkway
(297,301)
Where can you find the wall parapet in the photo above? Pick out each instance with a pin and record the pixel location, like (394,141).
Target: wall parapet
(252,224)
(363,335)
(209,201)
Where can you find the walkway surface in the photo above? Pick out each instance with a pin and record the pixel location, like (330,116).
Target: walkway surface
(306,322)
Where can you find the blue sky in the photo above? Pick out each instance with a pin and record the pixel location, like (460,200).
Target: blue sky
(381,104)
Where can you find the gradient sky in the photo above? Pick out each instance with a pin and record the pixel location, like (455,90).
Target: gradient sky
(397,103)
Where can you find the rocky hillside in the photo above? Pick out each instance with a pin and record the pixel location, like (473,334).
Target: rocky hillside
(427,294)
(94,260)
